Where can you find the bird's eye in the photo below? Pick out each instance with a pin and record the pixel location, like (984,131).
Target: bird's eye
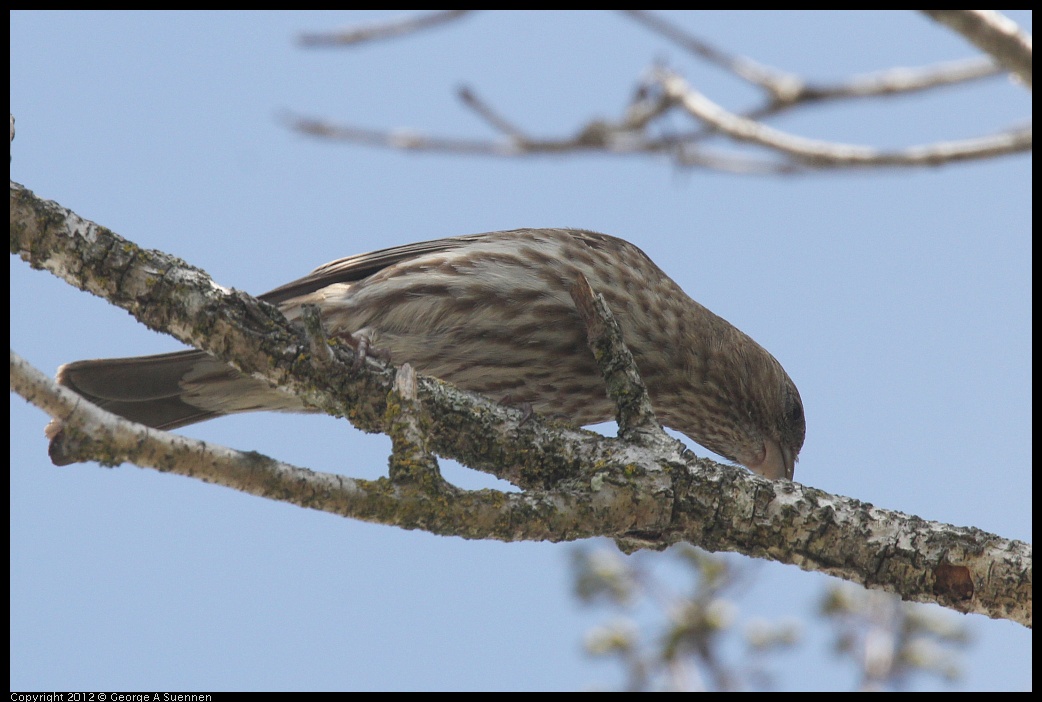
(793,408)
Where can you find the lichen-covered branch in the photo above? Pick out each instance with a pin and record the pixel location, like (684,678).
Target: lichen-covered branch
(577,484)
(962,568)
(635,415)
(480,514)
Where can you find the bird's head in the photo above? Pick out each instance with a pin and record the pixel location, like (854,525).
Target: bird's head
(737,401)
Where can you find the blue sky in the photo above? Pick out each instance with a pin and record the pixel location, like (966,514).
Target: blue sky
(899,302)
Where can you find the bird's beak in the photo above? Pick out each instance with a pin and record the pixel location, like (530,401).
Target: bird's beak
(777,462)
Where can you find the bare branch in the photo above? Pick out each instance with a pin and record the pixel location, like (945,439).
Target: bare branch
(895,81)
(782,86)
(471,100)
(831,154)
(787,89)
(405,140)
(638,130)
(887,83)
(734,163)
(396,27)
(593,139)
(627,137)
(993,33)
(596,137)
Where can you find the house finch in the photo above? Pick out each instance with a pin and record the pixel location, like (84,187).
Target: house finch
(492,313)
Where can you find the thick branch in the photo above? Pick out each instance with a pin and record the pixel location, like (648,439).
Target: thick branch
(963,568)
(580,484)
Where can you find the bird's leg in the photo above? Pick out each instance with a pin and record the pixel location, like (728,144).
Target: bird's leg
(362,341)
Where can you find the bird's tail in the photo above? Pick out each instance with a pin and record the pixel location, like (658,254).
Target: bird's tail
(169,390)
(151,390)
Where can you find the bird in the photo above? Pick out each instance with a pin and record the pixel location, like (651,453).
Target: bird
(492,313)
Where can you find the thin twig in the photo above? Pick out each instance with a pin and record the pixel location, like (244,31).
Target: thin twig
(894,81)
(403,139)
(396,27)
(469,98)
(597,136)
(783,86)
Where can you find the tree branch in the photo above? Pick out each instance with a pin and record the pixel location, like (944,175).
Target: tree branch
(396,27)
(994,34)
(577,483)
(410,504)
(823,153)
(787,90)
(642,129)
(781,85)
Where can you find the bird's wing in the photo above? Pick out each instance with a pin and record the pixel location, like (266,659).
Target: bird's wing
(359,266)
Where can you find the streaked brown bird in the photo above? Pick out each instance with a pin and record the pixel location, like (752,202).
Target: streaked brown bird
(492,313)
